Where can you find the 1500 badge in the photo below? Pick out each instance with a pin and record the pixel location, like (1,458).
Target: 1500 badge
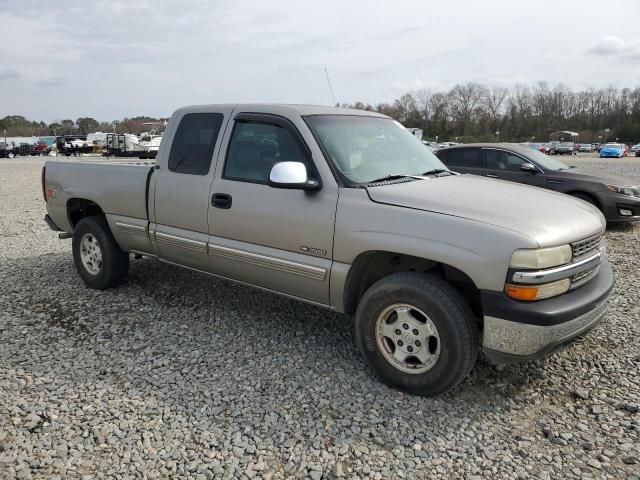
(313,251)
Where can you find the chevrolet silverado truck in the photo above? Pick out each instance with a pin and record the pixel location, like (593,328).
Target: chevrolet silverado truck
(347,210)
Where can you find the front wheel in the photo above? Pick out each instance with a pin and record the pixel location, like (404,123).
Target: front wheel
(417,333)
(99,260)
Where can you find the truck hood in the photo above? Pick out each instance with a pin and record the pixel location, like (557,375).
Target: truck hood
(549,218)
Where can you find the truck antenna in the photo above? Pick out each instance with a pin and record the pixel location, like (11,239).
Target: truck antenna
(330,89)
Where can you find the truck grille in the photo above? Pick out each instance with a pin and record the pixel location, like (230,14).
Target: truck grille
(583,277)
(585,246)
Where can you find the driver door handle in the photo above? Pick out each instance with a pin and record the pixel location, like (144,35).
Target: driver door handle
(221,200)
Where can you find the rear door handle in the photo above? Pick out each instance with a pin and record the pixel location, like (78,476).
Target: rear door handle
(490,175)
(221,200)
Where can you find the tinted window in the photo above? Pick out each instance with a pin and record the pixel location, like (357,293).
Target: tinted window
(501,160)
(464,157)
(255,147)
(193,144)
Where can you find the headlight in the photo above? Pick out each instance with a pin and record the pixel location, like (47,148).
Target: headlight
(630,191)
(541,257)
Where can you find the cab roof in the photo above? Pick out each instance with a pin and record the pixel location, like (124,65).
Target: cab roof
(283,109)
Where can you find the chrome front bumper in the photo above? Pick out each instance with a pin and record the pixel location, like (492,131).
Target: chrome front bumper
(505,341)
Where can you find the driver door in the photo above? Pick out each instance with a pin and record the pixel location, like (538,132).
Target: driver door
(279,239)
(506,165)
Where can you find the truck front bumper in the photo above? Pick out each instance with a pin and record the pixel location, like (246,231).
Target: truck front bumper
(517,331)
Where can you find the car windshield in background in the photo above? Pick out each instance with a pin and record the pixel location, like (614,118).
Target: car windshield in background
(364,149)
(547,162)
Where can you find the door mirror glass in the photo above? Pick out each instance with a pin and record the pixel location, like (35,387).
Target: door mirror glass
(291,175)
(528,167)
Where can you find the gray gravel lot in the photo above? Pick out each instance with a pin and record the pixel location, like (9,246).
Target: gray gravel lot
(179,375)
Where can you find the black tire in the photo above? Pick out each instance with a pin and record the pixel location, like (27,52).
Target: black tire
(114,266)
(446,309)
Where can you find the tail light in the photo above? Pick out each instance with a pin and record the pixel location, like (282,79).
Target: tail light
(44,191)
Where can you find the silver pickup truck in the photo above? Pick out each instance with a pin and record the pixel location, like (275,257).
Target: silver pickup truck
(347,210)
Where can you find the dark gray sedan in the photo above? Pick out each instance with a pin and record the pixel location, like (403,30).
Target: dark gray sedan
(617,197)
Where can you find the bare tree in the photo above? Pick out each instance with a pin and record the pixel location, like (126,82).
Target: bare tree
(494,101)
(423,103)
(464,101)
(406,107)
(472,110)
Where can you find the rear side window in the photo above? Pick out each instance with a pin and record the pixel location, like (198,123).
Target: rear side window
(193,143)
(464,157)
(255,147)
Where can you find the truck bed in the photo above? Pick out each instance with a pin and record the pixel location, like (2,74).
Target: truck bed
(118,187)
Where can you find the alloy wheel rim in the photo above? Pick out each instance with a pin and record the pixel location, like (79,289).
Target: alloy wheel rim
(91,254)
(408,338)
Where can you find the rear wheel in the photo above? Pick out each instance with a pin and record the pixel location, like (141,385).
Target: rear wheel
(98,258)
(417,333)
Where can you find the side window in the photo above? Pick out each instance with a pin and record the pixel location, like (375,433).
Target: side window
(501,160)
(442,155)
(464,157)
(193,143)
(255,147)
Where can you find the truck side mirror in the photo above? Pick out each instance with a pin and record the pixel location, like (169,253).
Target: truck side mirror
(528,167)
(292,175)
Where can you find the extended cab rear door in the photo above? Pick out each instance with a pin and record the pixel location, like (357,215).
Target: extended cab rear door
(275,238)
(185,170)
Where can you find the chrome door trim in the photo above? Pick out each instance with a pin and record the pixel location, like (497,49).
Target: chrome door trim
(132,229)
(181,242)
(279,264)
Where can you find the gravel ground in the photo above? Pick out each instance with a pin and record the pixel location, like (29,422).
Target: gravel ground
(178,375)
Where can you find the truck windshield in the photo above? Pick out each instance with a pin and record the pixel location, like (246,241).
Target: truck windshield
(364,149)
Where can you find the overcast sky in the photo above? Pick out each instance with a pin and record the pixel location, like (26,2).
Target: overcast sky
(110,58)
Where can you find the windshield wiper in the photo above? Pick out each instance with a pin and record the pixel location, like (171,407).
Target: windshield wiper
(388,177)
(436,171)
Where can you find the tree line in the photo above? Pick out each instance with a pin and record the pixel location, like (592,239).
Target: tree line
(466,113)
(475,112)
(18,126)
